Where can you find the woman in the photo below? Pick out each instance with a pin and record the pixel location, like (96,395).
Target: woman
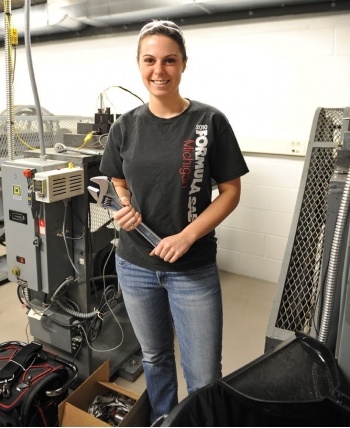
(162,158)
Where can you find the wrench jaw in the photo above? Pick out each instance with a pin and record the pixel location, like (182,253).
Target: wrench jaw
(106,187)
(106,196)
(94,192)
(103,183)
(101,201)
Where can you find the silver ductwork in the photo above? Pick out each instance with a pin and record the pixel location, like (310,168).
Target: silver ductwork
(45,19)
(122,12)
(58,16)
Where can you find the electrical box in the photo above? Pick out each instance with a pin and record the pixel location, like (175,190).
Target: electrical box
(59,184)
(55,327)
(37,254)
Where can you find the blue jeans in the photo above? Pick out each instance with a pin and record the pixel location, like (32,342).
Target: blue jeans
(157,302)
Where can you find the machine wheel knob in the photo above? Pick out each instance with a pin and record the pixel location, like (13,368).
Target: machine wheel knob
(15,271)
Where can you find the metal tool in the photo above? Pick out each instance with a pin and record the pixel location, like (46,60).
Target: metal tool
(107,197)
(61,148)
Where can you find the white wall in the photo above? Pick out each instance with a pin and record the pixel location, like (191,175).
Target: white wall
(268,75)
(252,240)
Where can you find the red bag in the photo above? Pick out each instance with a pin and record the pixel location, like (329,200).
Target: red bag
(32,384)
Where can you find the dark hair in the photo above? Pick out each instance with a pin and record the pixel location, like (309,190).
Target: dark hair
(163,28)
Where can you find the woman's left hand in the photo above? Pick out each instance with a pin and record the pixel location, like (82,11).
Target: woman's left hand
(171,248)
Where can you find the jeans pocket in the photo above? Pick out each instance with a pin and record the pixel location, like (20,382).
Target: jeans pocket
(204,270)
(120,262)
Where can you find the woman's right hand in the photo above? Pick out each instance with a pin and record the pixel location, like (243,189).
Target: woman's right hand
(127,218)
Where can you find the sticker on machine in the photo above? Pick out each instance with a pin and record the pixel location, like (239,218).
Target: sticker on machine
(42,228)
(16,192)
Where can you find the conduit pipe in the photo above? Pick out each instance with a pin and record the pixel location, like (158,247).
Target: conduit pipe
(9,79)
(333,266)
(28,50)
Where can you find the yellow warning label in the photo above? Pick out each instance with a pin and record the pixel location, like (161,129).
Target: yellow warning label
(16,190)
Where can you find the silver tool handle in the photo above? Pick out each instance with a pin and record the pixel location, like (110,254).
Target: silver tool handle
(144,230)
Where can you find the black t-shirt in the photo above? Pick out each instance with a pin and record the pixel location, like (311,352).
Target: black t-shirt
(169,165)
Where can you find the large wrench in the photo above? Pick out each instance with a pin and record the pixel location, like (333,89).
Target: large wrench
(107,197)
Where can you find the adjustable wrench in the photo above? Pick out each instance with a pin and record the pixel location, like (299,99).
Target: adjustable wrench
(107,197)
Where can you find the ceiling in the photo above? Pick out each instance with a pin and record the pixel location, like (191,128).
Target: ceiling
(74,18)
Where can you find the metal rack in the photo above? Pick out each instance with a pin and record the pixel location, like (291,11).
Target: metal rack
(298,286)
(26,131)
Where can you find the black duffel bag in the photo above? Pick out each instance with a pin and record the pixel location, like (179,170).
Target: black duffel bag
(32,384)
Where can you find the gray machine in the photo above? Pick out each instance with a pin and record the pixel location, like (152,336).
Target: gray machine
(312,295)
(60,253)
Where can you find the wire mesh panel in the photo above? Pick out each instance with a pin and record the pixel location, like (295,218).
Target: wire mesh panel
(298,286)
(100,217)
(26,132)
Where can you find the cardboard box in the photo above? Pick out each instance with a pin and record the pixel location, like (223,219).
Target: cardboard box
(73,411)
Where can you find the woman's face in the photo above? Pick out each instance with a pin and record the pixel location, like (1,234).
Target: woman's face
(161,65)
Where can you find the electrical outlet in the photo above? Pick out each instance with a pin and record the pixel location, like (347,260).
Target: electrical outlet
(297,147)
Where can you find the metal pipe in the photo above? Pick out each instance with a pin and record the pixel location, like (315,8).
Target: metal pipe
(27,43)
(9,80)
(333,266)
